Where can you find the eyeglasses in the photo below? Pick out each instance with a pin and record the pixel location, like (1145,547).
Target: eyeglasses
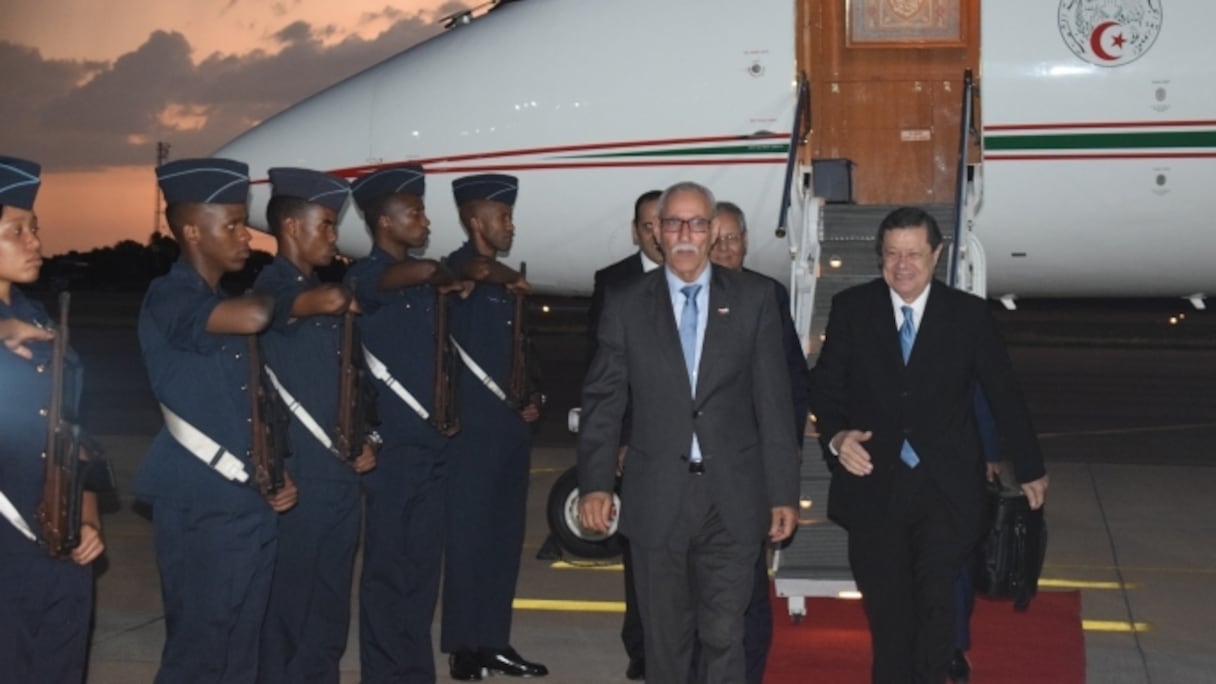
(730,240)
(671,224)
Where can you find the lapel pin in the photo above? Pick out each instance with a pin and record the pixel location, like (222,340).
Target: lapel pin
(723,310)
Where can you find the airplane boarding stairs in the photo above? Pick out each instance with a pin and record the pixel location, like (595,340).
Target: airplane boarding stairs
(815,563)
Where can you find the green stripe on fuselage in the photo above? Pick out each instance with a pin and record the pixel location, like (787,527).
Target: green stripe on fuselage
(1102,141)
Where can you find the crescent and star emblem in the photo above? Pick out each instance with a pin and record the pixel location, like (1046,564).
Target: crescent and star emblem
(1096,40)
(1109,34)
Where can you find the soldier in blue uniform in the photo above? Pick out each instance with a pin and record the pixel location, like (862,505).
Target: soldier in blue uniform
(45,602)
(304,634)
(215,532)
(490,458)
(396,292)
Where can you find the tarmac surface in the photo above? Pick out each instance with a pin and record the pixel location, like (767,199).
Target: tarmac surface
(1124,401)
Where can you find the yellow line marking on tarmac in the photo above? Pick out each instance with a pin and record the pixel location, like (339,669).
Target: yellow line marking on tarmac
(570,606)
(1206,570)
(546,471)
(1083,584)
(1127,431)
(559,605)
(563,565)
(1114,626)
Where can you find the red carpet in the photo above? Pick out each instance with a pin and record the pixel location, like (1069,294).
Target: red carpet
(1043,645)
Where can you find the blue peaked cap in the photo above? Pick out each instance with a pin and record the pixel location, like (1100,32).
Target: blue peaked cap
(407,178)
(496,187)
(19,181)
(211,180)
(316,187)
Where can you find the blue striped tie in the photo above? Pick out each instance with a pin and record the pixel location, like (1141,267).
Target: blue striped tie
(688,330)
(907,336)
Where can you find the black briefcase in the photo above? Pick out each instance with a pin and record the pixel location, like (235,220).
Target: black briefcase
(1013,548)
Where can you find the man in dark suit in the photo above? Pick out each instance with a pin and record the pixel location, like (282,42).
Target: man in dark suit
(646,259)
(893,392)
(712,465)
(729,252)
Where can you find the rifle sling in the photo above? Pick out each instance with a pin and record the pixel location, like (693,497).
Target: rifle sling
(297,409)
(479,372)
(9,511)
(204,448)
(380,372)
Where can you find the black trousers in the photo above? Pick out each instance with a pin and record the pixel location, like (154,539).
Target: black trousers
(304,632)
(694,589)
(757,620)
(486,504)
(906,567)
(402,550)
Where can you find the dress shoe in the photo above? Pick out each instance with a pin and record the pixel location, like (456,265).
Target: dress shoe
(465,666)
(508,662)
(960,668)
(636,670)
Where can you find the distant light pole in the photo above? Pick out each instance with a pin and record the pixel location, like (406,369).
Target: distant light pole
(162,156)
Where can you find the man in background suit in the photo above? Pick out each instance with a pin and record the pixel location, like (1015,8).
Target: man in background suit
(729,252)
(712,463)
(893,392)
(648,257)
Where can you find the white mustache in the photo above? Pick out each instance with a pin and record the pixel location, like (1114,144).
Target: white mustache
(684,247)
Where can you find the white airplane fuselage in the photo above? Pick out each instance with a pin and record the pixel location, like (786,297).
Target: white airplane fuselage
(1098,177)
(590,104)
(1095,178)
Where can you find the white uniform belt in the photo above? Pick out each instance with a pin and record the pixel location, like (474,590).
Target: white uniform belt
(203,447)
(477,371)
(380,372)
(9,511)
(297,409)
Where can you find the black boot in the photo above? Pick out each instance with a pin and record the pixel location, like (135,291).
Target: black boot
(465,666)
(960,668)
(508,662)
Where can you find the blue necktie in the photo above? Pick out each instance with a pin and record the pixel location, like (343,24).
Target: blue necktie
(688,342)
(688,330)
(907,333)
(907,336)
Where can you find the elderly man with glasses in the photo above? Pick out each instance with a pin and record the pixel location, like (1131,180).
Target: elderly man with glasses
(713,464)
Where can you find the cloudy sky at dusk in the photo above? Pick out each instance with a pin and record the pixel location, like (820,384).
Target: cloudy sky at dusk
(92,87)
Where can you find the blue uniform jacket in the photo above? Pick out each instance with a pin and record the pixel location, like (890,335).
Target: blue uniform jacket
(25,392)
(203,378)
(482,324)
(304,355)
(398,327)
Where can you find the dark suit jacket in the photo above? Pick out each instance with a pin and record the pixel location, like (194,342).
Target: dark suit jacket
(795,359)
(607,278)
(741,412)
(860,382)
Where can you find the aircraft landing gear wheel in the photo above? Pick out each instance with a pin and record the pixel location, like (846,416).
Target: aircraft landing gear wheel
(562,511)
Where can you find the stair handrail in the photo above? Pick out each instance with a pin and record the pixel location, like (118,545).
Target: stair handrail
(966,130)
(801,107)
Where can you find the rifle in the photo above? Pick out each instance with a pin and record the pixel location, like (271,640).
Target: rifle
(357,415)
(445,414)
(266,415)
(59,510)
(520,389)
